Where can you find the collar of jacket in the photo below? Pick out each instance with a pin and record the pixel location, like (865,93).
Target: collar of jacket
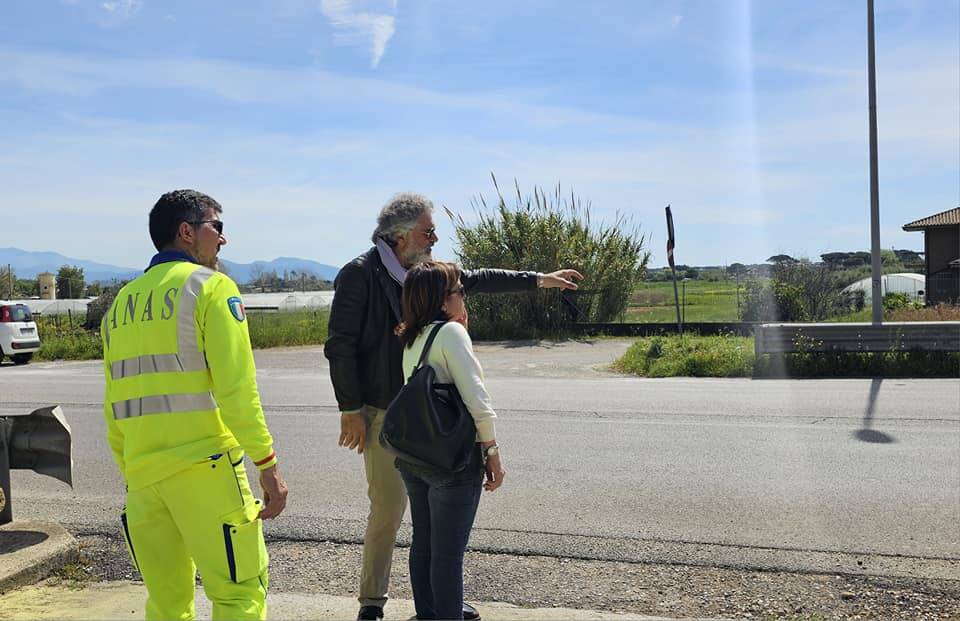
(166,256)
(387,283)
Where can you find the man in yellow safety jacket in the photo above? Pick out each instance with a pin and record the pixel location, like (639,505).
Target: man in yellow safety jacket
(182,408)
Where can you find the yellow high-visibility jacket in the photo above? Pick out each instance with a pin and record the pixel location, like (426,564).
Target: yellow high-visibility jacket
(180,377)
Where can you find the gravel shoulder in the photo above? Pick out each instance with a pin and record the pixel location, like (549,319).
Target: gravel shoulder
(643,589)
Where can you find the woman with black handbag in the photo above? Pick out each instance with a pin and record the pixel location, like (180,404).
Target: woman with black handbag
(443,503)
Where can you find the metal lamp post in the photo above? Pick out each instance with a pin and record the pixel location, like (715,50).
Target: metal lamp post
(874,183)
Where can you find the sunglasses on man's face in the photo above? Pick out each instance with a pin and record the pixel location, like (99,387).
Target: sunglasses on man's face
(217,225)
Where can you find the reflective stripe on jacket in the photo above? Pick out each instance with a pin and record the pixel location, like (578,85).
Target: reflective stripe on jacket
(180,377)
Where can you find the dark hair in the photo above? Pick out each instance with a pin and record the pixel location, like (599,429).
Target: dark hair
(175,207)
(426,287)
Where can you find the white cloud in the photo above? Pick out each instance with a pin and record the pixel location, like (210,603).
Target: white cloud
(358,27)
(675,21)
(122,8)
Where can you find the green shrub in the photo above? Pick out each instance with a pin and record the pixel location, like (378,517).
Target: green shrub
(896,301)
(733,356)
(773,300)
(689,356)
(98,308)
(64,338)
(541,233)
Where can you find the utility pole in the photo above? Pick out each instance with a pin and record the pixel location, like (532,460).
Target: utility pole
(874,183)
(10,280)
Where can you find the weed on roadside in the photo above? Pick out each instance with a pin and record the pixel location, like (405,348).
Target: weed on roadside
(76,575)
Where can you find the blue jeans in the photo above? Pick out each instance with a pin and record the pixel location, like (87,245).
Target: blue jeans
(442,506)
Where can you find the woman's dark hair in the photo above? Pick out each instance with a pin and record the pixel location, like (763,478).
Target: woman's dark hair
(175,207)
(426,287)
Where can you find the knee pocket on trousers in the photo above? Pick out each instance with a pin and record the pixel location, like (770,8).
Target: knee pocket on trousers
(244,545)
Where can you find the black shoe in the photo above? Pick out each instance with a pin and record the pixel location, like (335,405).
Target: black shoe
(470,613)
(370,613)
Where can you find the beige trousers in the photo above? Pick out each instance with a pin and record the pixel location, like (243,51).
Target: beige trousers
(388,501)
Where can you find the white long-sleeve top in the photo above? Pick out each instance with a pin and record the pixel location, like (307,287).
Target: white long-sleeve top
(451,357)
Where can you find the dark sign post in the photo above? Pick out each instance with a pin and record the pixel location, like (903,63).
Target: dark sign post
(673,269)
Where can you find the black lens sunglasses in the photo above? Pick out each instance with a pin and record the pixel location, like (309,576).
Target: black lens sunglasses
(217,225)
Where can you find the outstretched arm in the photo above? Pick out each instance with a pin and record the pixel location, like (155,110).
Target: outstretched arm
(562,279)
(510,281)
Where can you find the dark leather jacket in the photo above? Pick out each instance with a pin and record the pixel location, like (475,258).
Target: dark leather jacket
(366,358)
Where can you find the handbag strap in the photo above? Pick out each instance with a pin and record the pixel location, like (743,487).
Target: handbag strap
(426,346)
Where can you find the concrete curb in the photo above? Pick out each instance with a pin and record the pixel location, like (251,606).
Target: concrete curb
(31,551)
(124,601)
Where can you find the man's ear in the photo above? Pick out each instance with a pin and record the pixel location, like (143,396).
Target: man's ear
(186,232)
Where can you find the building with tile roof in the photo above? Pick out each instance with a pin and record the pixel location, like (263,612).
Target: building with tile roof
(941,245)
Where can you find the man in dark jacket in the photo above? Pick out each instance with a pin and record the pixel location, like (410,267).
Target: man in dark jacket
(366,365)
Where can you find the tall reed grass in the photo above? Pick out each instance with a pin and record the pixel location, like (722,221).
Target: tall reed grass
(542,233)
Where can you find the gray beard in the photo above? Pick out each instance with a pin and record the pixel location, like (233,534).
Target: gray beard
(420,257)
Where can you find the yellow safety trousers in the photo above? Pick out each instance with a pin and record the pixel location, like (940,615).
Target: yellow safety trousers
(204,517)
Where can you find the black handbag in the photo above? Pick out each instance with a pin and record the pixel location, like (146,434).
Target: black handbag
(427,423)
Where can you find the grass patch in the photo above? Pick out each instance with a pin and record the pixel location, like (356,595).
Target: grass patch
(918,364)
(732,356)
(689,356)
(706,301)
(940,312)
(289,329)
(64,339)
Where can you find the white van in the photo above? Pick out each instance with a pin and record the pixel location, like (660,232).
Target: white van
(19,338)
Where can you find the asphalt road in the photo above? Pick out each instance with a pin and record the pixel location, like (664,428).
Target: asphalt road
(823,475)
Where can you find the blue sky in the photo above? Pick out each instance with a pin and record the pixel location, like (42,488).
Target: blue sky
(302,117)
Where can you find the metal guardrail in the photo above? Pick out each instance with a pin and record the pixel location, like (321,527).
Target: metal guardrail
(739,328)
(789,338)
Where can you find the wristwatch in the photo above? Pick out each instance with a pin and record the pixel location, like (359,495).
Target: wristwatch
(490,451)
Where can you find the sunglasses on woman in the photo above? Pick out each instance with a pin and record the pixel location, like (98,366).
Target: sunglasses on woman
(459,290)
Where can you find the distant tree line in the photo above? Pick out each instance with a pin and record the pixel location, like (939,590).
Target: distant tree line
(800,290)
(269,281)
(70,284)
(856,264)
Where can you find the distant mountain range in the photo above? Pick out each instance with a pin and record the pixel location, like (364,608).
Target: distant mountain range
(28,264)
(243,272)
